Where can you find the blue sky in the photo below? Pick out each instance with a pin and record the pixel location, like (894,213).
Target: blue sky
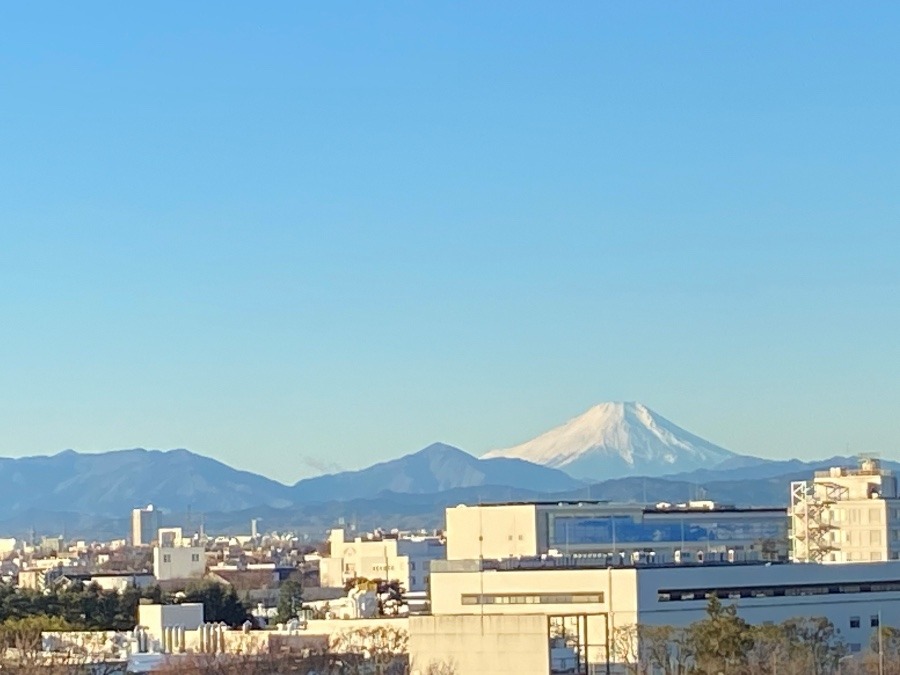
(314,235)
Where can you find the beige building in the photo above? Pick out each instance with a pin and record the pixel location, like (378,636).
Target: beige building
(694,530)
(406,558)
(846,515)
(175,558)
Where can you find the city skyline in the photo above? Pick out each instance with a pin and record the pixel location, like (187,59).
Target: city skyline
(284,235)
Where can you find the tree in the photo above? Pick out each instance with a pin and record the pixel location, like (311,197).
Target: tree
(814,640)
(625,648)
(290,600)
(720,642)
(771,650)
(660,648)
(220,603)
(887,638)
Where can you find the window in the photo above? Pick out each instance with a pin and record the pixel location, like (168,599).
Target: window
(412,581)
(874,621)
(195,557)
(854,622)
(530,599)
(167,558)
(681,594)
(412,565)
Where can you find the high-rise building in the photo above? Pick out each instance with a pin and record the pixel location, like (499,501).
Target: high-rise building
(144,525)
(846,515)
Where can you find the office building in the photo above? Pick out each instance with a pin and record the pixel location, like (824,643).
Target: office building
(144,526)
(693,530)
(846,515)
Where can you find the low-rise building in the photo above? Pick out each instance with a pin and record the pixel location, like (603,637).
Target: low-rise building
(509,616)
(406,558)
(178,562)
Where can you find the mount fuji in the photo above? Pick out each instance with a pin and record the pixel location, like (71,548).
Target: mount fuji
(612,440)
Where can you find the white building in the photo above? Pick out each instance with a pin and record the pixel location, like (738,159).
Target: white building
(178,562)
(406,558)
(507,616)
(144,525)
(846,515)
(696,529)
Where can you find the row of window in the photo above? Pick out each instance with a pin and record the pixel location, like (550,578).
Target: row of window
(530,598)
(675,595)
(619,529)
(873,621)
(167,558)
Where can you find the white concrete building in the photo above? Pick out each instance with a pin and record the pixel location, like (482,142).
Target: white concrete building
(406,558)
(178,562)
(511,616)
(144,526)
(697,529)
(846,515)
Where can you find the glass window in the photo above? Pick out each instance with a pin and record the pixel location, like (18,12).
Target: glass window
(874,621)
(854,622)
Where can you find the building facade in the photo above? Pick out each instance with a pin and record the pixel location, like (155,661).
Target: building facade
(178,562)
(144,526)
(406,558)
(846,515)
(696,529)
(573,608)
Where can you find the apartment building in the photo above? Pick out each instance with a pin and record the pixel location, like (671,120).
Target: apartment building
(846,515)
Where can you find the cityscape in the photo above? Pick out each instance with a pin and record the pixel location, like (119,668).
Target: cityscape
(450,339)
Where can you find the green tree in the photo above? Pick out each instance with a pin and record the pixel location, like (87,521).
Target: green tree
(220,603)
(720,642)
(290,600)
(24,635)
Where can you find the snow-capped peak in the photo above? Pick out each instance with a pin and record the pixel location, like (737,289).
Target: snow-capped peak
(616,439)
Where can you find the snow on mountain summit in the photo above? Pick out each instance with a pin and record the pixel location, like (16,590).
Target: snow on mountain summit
(618,439)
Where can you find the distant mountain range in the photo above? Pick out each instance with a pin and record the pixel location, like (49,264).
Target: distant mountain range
(612,440)
(624,447)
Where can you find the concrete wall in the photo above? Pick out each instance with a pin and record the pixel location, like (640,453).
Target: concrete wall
(475,645)
(157,617)
(475,532)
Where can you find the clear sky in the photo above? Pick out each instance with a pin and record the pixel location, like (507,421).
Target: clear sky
(295,236)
